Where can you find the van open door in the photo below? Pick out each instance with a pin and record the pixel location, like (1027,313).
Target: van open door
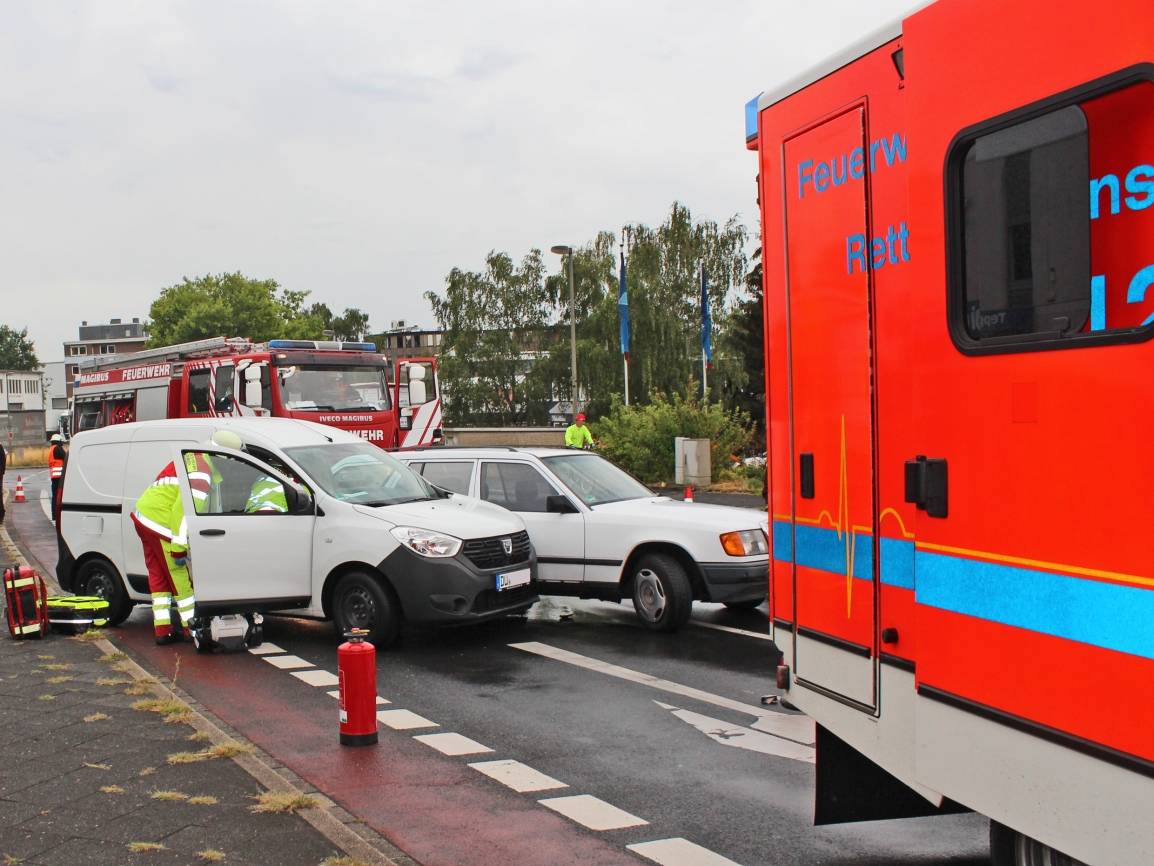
(250,533)
(418,401)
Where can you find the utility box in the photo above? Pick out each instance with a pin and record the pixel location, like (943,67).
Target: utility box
(692,462)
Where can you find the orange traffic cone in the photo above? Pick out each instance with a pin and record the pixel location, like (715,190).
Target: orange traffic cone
(688,493)
(19,497)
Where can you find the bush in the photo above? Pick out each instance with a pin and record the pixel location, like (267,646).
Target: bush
(639,439)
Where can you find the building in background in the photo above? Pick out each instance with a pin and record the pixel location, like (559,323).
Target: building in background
(116,338)
(22,405)
(55,395)
(407,341)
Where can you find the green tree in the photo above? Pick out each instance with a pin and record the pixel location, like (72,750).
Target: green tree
(352,324)
(231,305)
(743,338)
(16,351)
(493,321)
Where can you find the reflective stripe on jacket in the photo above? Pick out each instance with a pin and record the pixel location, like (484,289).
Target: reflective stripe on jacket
(267,495)
(159,508)
(56,462)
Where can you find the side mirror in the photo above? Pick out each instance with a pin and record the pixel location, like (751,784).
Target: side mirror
(417,393)
(253,394)
(299,500)
(559,504)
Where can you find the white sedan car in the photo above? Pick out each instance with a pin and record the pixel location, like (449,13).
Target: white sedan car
(600,533)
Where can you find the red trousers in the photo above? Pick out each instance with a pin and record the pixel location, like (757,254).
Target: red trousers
(161,585)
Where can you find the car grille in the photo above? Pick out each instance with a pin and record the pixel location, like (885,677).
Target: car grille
(490,553)
(491,599)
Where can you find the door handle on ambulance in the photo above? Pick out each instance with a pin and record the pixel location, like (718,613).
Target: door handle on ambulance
(927,485)
(212,532)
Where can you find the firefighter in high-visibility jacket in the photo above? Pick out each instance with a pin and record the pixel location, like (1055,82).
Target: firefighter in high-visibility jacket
(56,457)
(266,497)
(163,530)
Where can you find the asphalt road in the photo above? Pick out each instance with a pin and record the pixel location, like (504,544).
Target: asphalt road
(668,728)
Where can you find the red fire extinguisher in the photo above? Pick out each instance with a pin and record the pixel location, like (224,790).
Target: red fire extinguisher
(357,671)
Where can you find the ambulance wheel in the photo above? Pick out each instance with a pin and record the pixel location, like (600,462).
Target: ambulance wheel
(99,577)
(363,601)
(662,594)
(1011,848)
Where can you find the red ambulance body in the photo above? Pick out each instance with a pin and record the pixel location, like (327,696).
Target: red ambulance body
(345,385)
(958,242)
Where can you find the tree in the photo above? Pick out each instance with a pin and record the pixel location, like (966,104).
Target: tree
(16,351)
(744,339)
(351,325)
(492,321)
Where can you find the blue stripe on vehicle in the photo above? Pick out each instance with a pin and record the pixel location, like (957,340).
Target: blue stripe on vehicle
(1088,611)
(897,556)
(820,548)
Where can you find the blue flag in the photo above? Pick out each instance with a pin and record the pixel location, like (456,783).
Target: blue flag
(706,321)
(623,309)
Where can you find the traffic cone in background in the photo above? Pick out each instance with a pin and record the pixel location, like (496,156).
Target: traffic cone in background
(19,497)
(688,493)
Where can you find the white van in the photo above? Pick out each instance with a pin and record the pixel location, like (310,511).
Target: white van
(366,542)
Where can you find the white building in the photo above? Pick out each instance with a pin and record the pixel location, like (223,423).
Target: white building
(55,394)
(22,407)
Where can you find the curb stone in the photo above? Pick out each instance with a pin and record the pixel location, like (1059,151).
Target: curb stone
(343,829)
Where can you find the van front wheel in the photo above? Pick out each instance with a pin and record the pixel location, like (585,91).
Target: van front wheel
(98,577)
(362,601)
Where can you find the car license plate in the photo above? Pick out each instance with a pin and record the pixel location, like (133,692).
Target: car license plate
(510,579)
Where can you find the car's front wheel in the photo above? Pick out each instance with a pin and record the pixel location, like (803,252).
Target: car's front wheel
(662,594)
(362,601)
(98,577)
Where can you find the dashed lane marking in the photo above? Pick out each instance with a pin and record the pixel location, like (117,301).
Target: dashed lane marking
(728,628)
(287,662)
(316,677)
(452,744)
(679,852)
(592,812)
(404,720)
(798,728)
(335,693)
(518,776)
(265,649)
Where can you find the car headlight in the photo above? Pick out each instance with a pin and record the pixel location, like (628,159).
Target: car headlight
(748,542)
(426,542)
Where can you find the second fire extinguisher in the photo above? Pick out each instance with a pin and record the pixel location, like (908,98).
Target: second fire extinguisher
(357,672)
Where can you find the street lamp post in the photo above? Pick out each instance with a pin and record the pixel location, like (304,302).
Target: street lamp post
(563,250)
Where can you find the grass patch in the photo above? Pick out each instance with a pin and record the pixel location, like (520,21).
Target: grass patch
(123,667)
(56,667)
(97,717)
(9,860)
(46,657)
(203,800)
(112,789)
(112,681)
(46,698)
(343,861)
(277,803)
(229,750)
(89,636)
(172,711)
(210,855)
(98,766)
(147,771)
(198,737)
(113,657)
(140,687)
(188,757)
(63,678)
(145,847)
(169,796)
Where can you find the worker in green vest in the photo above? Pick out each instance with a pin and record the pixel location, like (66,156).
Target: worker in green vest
(266,497)
(577,435)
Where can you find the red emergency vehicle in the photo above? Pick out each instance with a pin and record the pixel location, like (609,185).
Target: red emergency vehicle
(345,385)
(958,241)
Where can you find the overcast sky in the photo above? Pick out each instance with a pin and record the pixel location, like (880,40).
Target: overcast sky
(362,149)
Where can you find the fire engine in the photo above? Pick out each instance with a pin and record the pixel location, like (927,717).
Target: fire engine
(342,384)
(958,249)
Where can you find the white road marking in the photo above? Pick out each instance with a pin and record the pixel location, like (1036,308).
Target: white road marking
(518,776)
(728,628)
(265,649)
(679,852)
(404,720)
(798,728)
(337,694)
(287,662)
(744,738)
(452,744)
(592,812)
(316,677)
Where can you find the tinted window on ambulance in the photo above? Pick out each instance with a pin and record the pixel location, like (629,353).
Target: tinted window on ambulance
(1051,232)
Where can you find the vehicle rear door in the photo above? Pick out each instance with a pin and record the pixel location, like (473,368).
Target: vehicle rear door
(240,557)
(558,539)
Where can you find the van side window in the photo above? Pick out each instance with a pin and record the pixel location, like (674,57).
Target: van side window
(222,484)
(1047,221)
(516,486)
(198,391)
(451,475)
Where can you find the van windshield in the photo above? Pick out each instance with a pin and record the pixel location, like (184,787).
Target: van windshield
(361,473)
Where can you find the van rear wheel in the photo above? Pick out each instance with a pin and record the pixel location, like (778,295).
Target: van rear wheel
(99,577)
(363,601)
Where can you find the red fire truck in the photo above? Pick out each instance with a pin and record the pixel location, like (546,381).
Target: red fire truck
(345,385)
(958,237)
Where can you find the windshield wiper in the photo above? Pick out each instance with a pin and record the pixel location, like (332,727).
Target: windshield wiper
(377,503)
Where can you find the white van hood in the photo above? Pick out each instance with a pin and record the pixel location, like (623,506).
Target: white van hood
(460,516)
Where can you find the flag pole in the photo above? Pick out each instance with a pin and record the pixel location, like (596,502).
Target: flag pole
(624,347)
(704,359)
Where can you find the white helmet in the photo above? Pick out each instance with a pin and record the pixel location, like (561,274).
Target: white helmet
(227,439)
(56,437)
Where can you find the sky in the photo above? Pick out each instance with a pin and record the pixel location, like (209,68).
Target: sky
(361,149)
